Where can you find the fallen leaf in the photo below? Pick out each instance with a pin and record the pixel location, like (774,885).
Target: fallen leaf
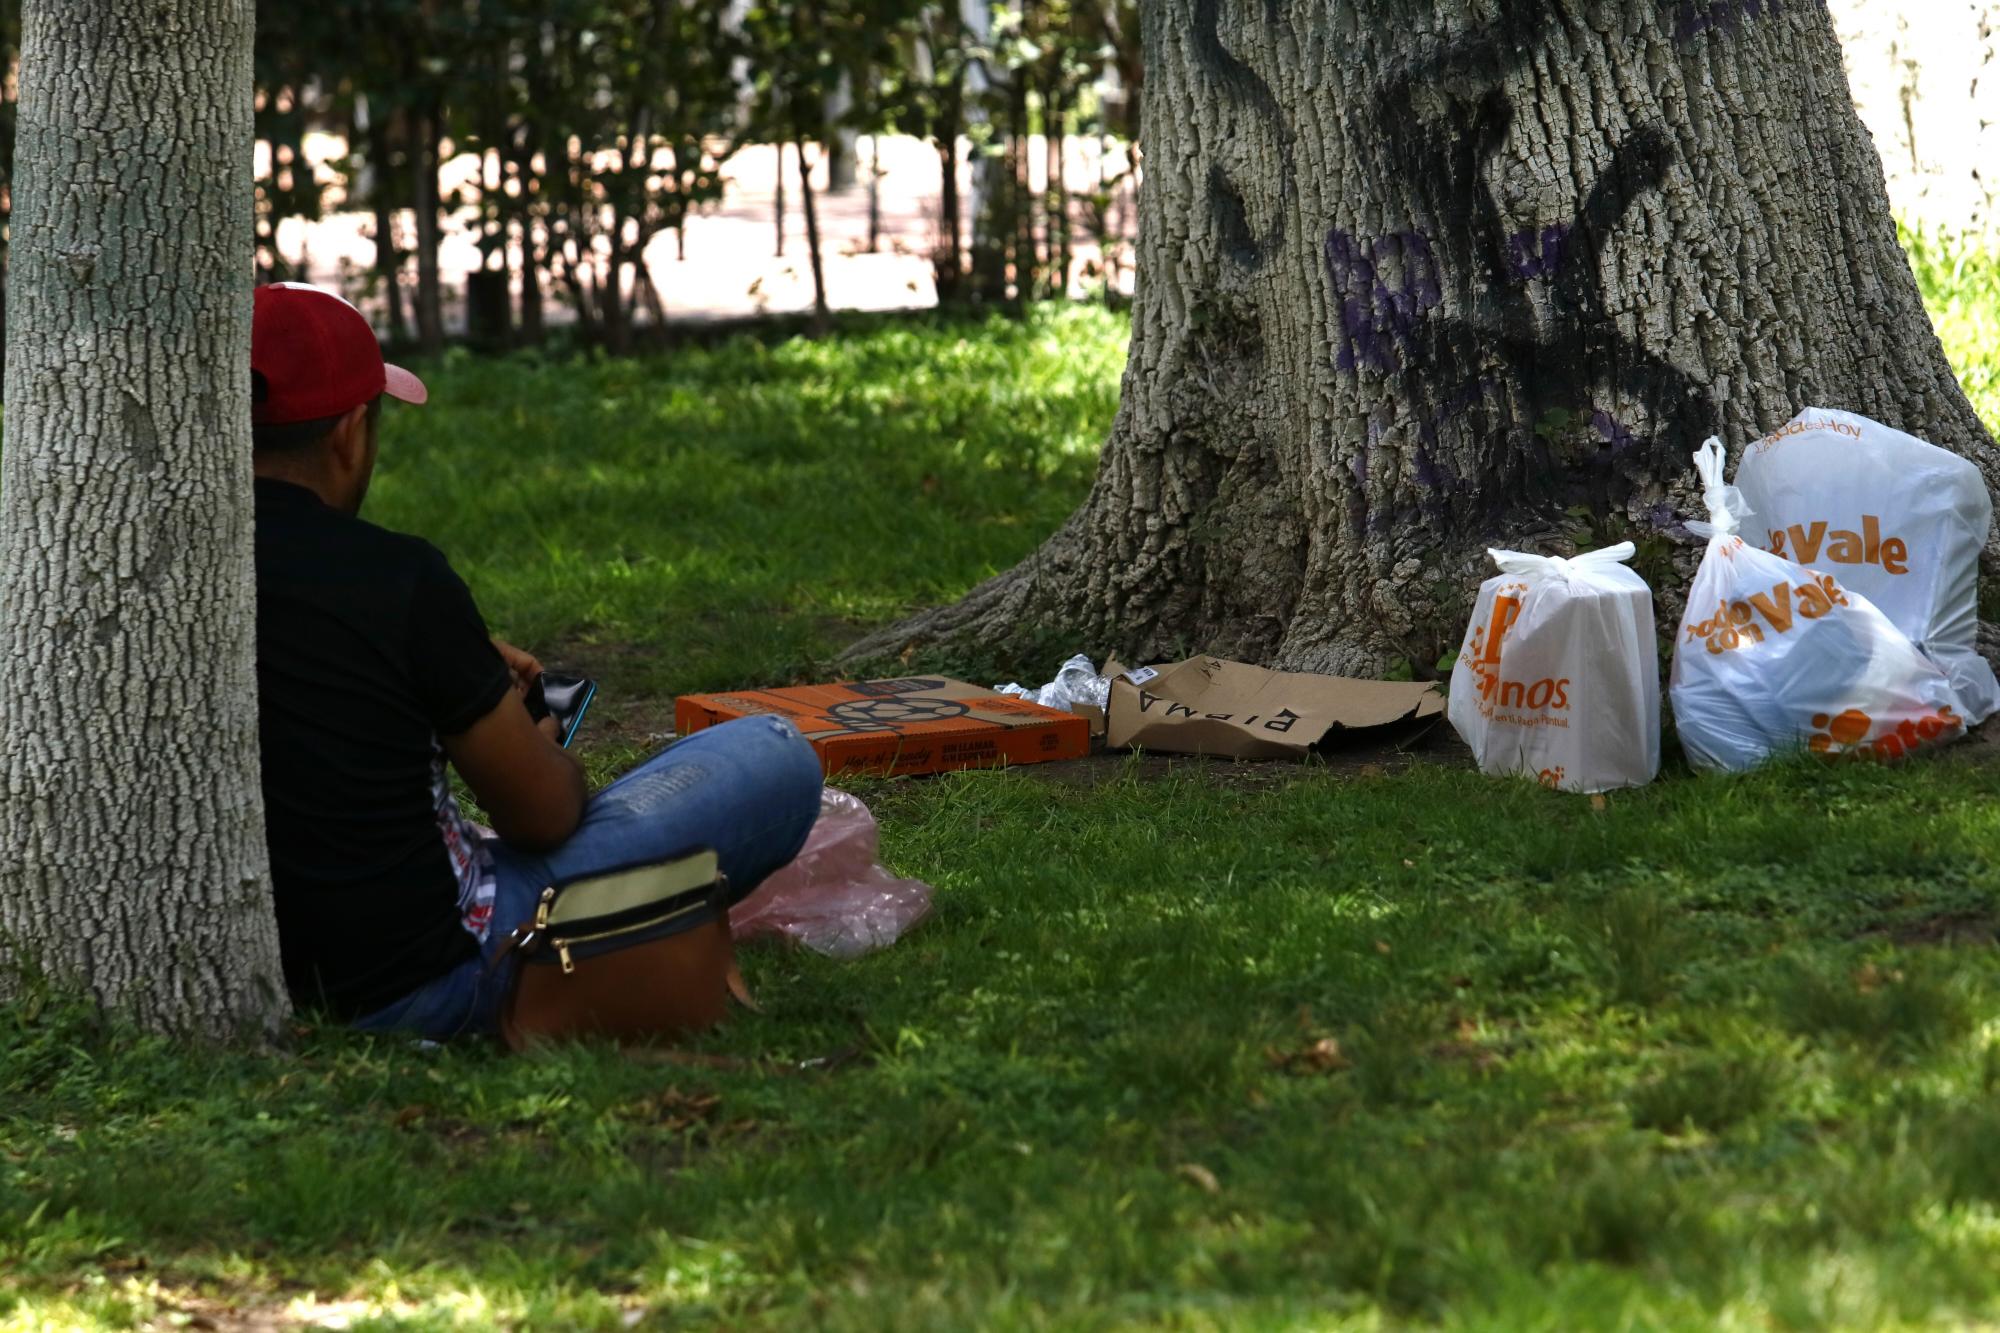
(1200,1176)
(1381,946)
(1321,1057)
(678,1110)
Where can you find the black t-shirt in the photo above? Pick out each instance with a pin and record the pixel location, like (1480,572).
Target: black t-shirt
(368,649)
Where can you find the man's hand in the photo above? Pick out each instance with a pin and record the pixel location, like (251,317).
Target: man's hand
(521,665)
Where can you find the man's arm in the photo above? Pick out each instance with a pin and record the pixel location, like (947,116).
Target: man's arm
(529,786)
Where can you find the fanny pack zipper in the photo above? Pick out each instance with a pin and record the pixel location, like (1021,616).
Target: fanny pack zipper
(562,945)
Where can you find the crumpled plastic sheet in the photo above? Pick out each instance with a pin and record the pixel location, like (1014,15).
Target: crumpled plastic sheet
(1076,683)
(836,898)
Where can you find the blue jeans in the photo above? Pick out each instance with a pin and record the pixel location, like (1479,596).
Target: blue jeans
(748,788)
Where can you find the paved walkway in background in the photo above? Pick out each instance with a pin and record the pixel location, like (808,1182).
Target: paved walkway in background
(732,268)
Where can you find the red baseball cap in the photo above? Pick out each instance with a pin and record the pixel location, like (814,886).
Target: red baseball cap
(318,357)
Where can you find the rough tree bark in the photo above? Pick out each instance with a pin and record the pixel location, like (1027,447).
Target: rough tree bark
(132,858)
(1423,276)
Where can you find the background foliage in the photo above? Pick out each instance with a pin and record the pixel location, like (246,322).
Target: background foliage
(601,124)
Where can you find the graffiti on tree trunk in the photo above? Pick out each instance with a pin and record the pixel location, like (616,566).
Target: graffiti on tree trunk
(1502,334)
(1505,332)
(1245,87)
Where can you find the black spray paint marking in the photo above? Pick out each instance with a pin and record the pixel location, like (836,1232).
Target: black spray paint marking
(1245,87)
(1691,20)
(1448,366)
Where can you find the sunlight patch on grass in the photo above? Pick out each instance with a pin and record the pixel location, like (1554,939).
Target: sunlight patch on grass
(735,515)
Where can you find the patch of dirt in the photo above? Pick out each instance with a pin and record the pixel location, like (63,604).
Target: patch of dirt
(648,722)
(645,722)
(1439,745)
(1964,925)
(1981,744)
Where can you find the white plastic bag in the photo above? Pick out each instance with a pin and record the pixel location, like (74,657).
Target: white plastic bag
(1559,675)
(1772,656)
(1895,519)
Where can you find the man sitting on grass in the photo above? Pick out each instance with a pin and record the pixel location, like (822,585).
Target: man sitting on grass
(374,668)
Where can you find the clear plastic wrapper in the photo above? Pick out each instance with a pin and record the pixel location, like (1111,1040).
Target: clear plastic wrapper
(1076,683)
(835,898)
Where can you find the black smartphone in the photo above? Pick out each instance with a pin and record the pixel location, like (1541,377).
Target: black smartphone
(564,698)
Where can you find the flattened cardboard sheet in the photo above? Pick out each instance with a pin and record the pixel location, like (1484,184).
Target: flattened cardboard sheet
(1212,706)
(918,724)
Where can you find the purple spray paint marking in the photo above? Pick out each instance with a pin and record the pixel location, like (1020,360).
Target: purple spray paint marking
(1662,518)
(1615,434)
(1538,254)
(1384,286)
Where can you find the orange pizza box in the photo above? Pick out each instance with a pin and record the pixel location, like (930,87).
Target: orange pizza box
(920,724)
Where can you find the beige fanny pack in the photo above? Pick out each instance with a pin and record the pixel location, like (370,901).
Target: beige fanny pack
(637,954)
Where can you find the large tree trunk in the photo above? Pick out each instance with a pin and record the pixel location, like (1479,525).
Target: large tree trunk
(132,860)
(1415,280)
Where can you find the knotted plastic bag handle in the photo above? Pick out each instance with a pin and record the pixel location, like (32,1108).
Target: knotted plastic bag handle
(1726,506)
(1560,567)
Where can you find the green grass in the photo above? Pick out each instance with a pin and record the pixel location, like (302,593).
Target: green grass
(1296,1049)
(1961,286)
(1777,1113)
(738,513)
